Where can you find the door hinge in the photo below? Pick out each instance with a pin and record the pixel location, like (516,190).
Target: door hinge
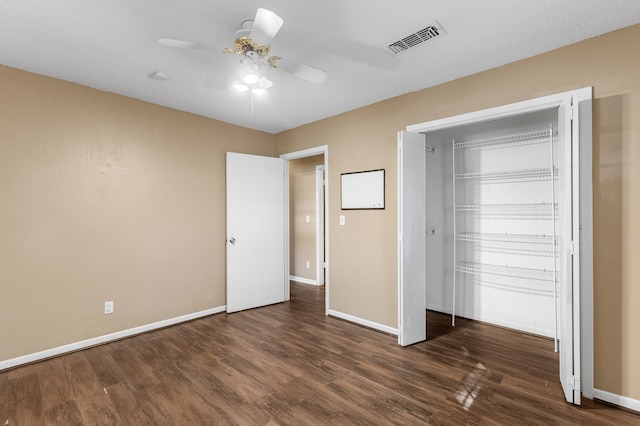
(574,382)
(571,247)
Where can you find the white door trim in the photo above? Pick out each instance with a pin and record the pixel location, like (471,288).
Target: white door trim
(320,195)
(309,152)
(503,111)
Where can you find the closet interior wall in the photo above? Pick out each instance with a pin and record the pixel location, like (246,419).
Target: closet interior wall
(490,229)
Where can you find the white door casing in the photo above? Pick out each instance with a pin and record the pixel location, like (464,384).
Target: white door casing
(320,194)
(257,237)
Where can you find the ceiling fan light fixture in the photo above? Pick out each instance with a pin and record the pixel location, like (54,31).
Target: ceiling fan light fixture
(265,82)
(240,87)
(249,72)
(250,78)
(253,75)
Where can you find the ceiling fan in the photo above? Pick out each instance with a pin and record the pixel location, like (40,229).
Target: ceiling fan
(253,44)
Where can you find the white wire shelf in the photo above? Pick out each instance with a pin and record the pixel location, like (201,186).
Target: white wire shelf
(506,271)
(538,207)
(481,180)
(513,249)
(528,138)
(506,238)
(524,174)
(538,245)
(539,288)
(533,211)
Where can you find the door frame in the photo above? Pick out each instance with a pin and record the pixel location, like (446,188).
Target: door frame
(320,224)
(579,102)
(310,152)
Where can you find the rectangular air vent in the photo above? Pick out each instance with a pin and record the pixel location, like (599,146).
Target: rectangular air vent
(414,39)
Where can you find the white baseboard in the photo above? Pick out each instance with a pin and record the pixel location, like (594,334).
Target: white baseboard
(303,280)
(438,308)
(495,321)
(37,356)
(612,398)
(364,322)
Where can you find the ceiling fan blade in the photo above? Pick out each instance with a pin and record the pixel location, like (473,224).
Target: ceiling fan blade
(170,42)
(303,71)
(265,27)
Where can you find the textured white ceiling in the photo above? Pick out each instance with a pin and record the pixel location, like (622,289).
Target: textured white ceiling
(111,45)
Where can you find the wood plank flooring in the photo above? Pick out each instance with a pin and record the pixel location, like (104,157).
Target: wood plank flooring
(289,364)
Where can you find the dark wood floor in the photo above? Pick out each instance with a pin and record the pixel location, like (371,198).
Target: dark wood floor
(290,364)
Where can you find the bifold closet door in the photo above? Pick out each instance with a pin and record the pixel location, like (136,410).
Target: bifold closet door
(411,238)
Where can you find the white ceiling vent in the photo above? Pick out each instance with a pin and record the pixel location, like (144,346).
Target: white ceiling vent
(414,39)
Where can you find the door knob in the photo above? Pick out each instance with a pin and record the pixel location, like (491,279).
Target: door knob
(232,240)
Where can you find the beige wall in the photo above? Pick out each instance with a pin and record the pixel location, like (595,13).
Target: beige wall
(362,254)
(106,198)
(302,204)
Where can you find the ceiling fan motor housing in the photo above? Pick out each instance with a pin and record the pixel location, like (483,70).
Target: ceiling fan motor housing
(243,43)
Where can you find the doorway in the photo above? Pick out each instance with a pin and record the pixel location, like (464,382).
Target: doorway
(308,207)
(306,218)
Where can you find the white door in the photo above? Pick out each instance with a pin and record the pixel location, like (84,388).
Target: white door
(256,231)
(569,294)
(411,238)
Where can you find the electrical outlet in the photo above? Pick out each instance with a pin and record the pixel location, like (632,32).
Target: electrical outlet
(108,307)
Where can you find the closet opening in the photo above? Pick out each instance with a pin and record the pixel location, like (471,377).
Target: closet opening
(492,220)
(495,225)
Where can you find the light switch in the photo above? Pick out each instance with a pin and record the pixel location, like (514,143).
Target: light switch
(342,220)
(308,219)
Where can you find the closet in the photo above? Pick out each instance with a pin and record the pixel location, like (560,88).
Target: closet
(495,224)
(492,222)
